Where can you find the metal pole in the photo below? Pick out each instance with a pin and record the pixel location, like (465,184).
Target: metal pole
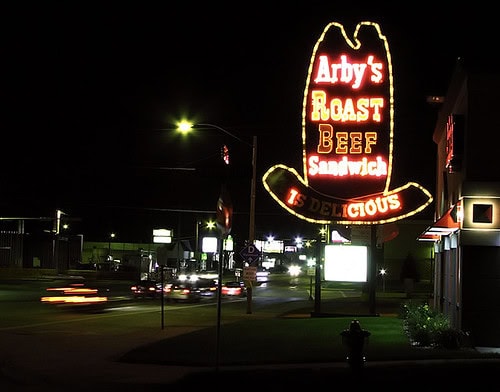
(197,241)
(317,277)
(162,296)
(219,304)
(251,229)
(372,269)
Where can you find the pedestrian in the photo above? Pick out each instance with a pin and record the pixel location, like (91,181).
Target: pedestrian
(409,274)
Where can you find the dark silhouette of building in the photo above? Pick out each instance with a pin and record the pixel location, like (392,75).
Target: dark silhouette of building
(466,231)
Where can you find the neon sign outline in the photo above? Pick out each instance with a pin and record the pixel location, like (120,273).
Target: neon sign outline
(352,138)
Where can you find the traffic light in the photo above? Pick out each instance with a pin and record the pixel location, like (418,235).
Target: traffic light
(225,154)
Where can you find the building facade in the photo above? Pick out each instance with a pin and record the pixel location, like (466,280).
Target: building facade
(466,231)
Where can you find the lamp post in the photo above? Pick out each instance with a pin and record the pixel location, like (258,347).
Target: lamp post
(251,229)
(197,239)
(382,273)
(185,126)
(207,225)
(111,236)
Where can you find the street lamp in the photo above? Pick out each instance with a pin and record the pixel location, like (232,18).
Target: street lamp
(383,273)
(196,239)
(210,225)
(185,126)
(111,236)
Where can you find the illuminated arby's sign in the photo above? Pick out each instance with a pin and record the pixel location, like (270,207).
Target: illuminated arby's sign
(347,136)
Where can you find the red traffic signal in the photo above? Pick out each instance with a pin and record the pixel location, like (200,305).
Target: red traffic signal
(225,154)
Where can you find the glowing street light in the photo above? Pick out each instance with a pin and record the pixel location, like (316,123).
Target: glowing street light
(294,270)
(111,237)
(382,273)
(208,225)
(185,127)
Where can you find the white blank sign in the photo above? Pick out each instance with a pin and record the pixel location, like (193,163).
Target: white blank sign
(346,263)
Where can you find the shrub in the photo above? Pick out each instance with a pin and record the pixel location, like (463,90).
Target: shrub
(451,338)
(426,327)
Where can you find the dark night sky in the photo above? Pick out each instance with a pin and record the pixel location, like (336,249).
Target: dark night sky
(92,93)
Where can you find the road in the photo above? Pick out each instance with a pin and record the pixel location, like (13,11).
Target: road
(20,300)
(24,313)
(40,341)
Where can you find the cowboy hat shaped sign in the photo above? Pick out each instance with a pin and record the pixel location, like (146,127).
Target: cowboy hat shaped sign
(347,136)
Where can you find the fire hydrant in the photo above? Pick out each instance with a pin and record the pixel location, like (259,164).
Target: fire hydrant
(354,338)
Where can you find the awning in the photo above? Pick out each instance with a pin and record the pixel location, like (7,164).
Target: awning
(445,225)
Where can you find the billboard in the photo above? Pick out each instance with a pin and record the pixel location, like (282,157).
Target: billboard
(347,136)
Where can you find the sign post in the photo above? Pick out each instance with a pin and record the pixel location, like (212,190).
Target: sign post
(162,279)
(251,255)
(224,214)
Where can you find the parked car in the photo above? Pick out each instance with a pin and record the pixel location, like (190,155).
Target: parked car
(183,290)
(234,288)
(146,289)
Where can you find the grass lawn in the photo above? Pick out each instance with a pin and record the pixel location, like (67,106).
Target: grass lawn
(287,340)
